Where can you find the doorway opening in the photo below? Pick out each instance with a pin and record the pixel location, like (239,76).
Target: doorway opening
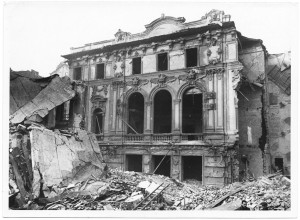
(134,162)
(192,167)
(164,167)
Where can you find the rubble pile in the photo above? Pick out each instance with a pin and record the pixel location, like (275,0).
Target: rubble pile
(275,192)
(117,190)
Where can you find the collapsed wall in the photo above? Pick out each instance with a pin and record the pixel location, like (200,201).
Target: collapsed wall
(42,159)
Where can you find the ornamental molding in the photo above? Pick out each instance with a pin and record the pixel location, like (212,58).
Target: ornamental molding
(137,83)
(218,71)
(162,80)
(194,77)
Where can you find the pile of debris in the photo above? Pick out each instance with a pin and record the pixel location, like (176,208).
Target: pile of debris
(117,190)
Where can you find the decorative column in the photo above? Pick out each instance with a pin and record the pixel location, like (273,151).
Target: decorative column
(176,120)
(114,108)
(147,124)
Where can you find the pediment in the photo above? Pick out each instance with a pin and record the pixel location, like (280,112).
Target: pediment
(164,25)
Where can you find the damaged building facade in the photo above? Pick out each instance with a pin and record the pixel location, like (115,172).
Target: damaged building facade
(183,99)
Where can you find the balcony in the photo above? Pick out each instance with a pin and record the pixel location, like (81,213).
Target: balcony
(152,138)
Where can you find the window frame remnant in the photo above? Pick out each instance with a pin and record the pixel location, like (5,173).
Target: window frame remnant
(77,75)
(136,66)
(189,52)
(98,74)
(162,61)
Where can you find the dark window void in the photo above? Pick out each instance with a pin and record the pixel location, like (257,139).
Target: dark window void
(191,57)
(136,113)
(279,164)
(192,167)
(162,112)
(162,61)
(59,113)
(134,162)
(192,111)
(100,71)
(98,121)
(164,167)
(77,73)
(136,65)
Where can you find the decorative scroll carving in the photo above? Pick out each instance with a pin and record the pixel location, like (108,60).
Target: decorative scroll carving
(214,51)
(211,72)
(98,100)
(107,55)
(129,51)
(121,35)
(210,95)
(119,108)
(116,84)
(162,80)
(137,83)
(154,46)
(236,77)
(97,90)
(144,49)
(170,44)
(194,77)
(209,106)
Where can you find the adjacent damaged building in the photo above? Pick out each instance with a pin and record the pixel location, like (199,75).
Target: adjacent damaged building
(47,147)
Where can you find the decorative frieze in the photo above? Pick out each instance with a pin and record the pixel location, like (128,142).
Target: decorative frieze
(210,106)
(236,77)
(163,80)
(137,83)
(194,77)
(218,71)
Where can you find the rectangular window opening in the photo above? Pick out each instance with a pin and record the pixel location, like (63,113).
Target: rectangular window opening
(136,65)
(192,167)
(77,73)
(191,57)
(162,164)
(162,62)
(100,71)
(134,162)
(279,164)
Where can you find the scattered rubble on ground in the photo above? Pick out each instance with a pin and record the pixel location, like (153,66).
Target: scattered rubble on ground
(139,191)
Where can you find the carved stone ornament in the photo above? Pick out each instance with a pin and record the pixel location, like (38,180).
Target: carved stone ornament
(137,83)
(98,100)
(107,55)
(236,77)
(121,36)
(194,77)
(214,51)
(116,84)
(129,51)
(210,73)
(162,80)
(154,46)
(170,44)
(119,107)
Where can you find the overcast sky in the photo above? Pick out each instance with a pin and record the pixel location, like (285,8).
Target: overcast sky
(36,34)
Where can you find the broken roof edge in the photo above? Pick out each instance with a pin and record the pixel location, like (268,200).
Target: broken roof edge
(243,39)
(178,34)
(43,102)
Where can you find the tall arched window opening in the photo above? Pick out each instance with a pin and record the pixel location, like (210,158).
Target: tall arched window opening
(98,121)
(192,111)
(136,113)
(163,112)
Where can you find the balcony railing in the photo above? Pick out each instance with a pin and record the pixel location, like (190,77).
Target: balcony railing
(134,137)
(191,137)
(166,137)
(162,137)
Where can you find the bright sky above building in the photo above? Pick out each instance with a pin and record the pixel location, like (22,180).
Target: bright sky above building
(36,34)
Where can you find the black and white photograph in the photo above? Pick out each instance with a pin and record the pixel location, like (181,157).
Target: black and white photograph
(154,109)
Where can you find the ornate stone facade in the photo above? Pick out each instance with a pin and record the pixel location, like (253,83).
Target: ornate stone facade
(186,110)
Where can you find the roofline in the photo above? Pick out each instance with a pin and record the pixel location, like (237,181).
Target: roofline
(175,35)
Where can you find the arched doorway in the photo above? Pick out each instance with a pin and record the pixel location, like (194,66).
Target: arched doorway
(98,121)
(136,113)
(162,112)
(192,111)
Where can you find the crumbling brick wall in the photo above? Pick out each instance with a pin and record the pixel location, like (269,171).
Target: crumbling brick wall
(250,114)
(279,128)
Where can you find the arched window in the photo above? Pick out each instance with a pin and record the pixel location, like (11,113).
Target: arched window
(98,121)
(192,111)
(136,113)
(162,112)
